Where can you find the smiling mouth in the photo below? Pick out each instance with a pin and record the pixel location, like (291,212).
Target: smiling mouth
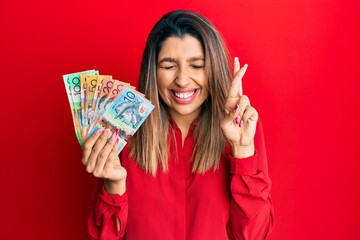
(184,95)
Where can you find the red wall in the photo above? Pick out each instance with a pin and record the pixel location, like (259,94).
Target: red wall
(303,58)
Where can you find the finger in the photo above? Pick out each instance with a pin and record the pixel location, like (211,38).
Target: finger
(230,103)
(244,103)
(112,156)
(240,74)
(89,144)
(236,66)
(231,117)
(235,90)
(104,154)
(250,114)
(113,169)
(236,84)
(100,143)
(114,150)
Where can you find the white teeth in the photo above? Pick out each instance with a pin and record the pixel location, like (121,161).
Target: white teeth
(184,95)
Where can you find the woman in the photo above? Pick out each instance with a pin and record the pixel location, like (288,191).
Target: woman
(197,168)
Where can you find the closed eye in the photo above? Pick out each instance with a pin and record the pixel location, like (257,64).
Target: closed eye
(168,67)
(197,66)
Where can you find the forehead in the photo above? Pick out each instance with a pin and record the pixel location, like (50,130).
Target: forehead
(185,47)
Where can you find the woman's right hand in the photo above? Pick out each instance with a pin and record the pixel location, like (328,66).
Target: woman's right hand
(101,160)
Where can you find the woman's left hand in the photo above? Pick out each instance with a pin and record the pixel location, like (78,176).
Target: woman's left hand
(239,125)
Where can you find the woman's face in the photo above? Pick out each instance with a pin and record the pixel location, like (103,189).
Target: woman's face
(181,77)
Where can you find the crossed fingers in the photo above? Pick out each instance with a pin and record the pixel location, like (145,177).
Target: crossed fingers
(236,89)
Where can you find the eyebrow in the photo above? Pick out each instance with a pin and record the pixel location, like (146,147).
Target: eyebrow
(171,60)
(167,59)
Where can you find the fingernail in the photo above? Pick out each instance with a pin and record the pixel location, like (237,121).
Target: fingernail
(235,107)
(117,141)
(113,136)
(106,132)
(241,123)
(237,119)
(236,59)
(246,65)
(115,133)
(98,132)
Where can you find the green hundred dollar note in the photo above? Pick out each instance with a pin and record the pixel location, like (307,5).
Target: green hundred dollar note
(73,88)
(127,113)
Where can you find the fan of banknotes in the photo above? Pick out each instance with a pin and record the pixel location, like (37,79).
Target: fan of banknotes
(98,101)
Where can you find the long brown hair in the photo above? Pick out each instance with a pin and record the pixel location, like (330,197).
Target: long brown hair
(149,145)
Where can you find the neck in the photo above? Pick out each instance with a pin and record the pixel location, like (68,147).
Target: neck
(184,122)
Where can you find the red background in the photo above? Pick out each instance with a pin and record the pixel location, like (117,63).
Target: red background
(303,58)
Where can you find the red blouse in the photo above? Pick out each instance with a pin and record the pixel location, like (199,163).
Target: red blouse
(232,202)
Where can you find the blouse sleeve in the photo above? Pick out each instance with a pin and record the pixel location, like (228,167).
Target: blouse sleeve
(251,210)
(110,212)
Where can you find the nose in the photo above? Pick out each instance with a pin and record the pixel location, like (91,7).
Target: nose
(182,77)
